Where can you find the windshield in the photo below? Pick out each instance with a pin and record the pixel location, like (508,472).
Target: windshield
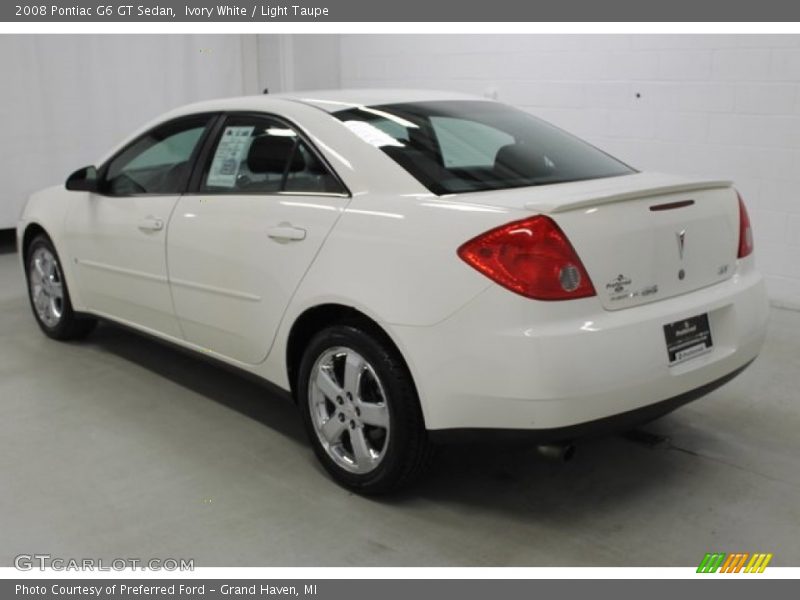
(466,145)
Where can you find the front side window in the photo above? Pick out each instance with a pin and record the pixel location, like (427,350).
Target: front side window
(475,145)
(158,162)
(261,155)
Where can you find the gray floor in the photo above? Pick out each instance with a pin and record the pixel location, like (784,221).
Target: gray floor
(121,447)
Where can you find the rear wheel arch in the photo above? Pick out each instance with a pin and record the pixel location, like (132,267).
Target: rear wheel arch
(385,445)
(317,318)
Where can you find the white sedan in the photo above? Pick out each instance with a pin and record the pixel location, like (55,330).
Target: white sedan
(411,266)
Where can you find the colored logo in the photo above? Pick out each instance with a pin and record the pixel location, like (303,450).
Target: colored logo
(737,562)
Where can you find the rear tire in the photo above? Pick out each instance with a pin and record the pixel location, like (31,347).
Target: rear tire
(361,411)
(49,295)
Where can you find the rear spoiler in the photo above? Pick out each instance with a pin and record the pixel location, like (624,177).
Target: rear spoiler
(585,200)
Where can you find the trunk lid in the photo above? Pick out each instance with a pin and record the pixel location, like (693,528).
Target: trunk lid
(643,237)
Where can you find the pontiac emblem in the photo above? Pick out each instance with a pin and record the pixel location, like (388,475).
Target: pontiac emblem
(681,237)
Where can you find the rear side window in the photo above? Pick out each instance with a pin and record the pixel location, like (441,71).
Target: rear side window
(474,145)
(261,155)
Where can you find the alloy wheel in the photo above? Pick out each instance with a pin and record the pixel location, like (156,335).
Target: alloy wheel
(349,410)
(46,287)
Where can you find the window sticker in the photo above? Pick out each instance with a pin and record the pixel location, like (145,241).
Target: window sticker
(233,145)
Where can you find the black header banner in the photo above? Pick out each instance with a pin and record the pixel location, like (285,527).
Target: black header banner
(338,11)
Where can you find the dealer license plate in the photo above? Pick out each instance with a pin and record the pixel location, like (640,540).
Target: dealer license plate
(688,338)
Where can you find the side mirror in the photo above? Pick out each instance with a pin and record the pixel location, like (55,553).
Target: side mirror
(83,180)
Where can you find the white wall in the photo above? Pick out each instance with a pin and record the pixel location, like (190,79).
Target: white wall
(717,105)
(289,63)
(66,99)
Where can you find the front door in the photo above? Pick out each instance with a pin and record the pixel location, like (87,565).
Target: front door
(117,237)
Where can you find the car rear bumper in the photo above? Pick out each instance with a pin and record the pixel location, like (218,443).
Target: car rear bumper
(505,362)
(605,426)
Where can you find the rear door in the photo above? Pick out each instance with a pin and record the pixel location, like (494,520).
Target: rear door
(262,202)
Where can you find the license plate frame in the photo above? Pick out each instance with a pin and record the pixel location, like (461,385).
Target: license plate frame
(688,338)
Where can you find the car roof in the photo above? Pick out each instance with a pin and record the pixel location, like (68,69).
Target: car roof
(327,100)
(333,100)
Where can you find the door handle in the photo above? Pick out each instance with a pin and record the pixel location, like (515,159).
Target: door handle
(285,232)
(151,224)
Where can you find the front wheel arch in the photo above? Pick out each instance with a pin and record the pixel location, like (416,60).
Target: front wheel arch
(31,232)
(70,325)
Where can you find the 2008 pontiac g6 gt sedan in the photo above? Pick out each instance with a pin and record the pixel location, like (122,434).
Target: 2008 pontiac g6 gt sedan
(414,267)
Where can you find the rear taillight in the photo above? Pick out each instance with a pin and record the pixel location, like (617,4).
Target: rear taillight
(531,257)
(745,231)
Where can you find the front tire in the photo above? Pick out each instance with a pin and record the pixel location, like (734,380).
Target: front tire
(48,293)
(361,411)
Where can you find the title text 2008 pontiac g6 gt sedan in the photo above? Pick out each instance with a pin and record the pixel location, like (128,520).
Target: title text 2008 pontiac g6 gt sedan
(413,266)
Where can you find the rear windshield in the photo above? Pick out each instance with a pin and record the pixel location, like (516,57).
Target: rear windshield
(467,146)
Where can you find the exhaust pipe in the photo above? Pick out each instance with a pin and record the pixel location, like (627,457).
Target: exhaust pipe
(557,452)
